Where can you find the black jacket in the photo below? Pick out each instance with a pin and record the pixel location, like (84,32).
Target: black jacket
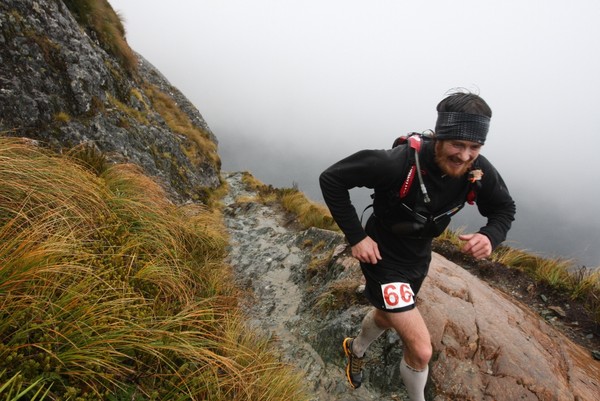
(385,171)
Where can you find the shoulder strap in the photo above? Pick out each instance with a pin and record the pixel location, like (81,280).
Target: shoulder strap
(414,142)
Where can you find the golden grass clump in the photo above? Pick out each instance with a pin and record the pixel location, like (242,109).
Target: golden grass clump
(62,117)
(89,157)
(201,147)
(110,292)
(251,182)
(308,213)
(137,115)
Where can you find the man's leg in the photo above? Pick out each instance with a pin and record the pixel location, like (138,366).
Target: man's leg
(369,332)
(355,348)
(411,328)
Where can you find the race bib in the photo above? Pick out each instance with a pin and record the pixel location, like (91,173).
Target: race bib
(397,295)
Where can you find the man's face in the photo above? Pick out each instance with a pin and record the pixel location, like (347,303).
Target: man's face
(455,156)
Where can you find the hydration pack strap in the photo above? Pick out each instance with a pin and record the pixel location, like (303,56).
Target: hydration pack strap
(472,194)
(363,213)
(415,143)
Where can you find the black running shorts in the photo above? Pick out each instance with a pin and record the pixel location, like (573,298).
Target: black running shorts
(389,288)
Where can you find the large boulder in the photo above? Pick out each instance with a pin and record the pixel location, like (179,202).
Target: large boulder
(490,347)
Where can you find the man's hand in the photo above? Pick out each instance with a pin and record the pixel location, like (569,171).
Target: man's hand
(366,251)
(477,245)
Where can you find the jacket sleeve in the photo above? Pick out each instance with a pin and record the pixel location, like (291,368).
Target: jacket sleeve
(496,204)
(367,168)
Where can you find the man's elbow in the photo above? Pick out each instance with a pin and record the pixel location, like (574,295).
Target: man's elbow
(324,180)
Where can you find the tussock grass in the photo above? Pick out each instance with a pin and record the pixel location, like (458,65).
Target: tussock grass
(252,183)
(179,122)
(318,266)
(90,157)
(451,236)
(307,212)
(62,117)
(139,116)
(110,292)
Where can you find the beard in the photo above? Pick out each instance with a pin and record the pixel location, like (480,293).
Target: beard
(451,165)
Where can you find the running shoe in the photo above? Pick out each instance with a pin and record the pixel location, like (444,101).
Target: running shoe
(354,366)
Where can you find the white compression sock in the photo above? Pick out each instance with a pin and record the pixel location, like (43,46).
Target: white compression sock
(414,380)
(369,332)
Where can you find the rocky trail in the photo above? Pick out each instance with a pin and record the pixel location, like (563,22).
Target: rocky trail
(305,297)
(268,255)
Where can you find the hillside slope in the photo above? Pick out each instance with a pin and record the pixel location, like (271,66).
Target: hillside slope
(68,77)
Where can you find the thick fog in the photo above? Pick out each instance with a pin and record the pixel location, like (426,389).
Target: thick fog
(290,87)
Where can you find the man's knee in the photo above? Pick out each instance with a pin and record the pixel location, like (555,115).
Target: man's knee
(418,353)
(425,352)
(412,330)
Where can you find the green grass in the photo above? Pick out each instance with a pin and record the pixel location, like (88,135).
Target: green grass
(13,390)
(111,292)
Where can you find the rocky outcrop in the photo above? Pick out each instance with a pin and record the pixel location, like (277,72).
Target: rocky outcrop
(490,348)
(60,86)
(306,297)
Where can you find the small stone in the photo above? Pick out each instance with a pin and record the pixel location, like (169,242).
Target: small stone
(544,298)
(596,355)
(558,310)
(338,250)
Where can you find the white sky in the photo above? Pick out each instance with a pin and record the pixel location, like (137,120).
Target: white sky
(289,87)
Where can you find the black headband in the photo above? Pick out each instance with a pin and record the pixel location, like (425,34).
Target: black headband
(462,126)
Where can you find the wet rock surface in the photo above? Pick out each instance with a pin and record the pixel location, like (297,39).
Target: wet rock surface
(486,345)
